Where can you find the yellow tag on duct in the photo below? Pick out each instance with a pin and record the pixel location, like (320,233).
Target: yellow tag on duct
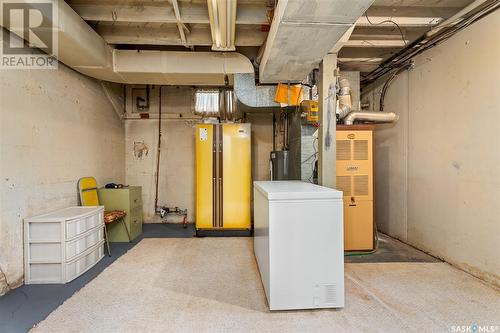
(294,93)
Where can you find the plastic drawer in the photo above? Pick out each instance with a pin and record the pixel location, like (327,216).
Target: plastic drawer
(45,252)
(78,226)
(61,245)
(45,273)
(47,231)
(84,242)
(82,263)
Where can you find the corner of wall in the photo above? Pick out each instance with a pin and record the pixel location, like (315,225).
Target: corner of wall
(4,285)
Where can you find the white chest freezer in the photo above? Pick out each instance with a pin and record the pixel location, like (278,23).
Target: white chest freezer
(299,244)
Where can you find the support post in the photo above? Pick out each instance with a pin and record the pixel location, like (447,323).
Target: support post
(327,119)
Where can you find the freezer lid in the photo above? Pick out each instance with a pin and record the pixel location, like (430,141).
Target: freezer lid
(295,190)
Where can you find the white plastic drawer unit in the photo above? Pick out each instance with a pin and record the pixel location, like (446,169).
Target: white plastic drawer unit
(299,245)
(62,245)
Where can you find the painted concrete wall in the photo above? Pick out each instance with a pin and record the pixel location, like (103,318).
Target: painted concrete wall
(55,127)
(177,179)
(177,162)
(438,168)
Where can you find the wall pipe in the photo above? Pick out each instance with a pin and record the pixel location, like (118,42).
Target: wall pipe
(159,153)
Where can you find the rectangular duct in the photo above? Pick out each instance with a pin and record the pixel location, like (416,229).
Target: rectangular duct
(302,33)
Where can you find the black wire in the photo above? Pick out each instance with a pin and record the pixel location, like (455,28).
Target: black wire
(388,21)
(389,81)
(424,43)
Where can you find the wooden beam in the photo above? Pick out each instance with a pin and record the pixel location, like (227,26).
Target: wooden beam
(359,64)
(388,32)
(412,11)
(391,43)
(363,21)
(180,25)
(167,34)
(367,52)
(192,13)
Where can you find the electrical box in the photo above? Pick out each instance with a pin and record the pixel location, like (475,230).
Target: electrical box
(355,179)
(311,110)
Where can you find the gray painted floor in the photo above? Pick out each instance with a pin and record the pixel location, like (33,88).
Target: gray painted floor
(392,250)
(23,307)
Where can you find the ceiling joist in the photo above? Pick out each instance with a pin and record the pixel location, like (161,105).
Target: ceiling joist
(364,21)
(191,13)
(161,34)
(412,11)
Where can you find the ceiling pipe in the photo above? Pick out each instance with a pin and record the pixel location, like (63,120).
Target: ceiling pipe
(82,49)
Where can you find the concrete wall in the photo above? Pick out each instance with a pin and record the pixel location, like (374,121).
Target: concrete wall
(55,127)
(438,168)
(177,162)
(177,180)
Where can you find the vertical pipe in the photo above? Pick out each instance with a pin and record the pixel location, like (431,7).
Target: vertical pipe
(159,152)
(274,131)
(214,176)
(125,98)
(221,190)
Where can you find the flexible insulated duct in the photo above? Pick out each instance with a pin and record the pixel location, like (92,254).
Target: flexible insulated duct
(345,101)
(374,116)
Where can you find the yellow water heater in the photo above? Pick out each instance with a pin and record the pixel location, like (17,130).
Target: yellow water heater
(355,179)
(223,176)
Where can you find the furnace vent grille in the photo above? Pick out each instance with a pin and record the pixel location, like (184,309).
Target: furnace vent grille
(361,185)
(360,149)
(344,184)
(343,150)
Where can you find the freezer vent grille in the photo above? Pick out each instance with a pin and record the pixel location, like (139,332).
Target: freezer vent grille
(343,150)
(344,184)
(360,149)
(361,185)
(330,294)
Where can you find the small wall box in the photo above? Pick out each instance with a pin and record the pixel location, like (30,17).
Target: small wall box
(62,245)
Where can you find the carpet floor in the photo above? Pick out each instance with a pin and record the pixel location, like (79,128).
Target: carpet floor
(213,285)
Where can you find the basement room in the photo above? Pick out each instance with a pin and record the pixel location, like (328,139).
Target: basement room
(249,166)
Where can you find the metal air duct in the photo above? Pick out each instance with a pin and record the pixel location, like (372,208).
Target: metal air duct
(251,95)
(302,33)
